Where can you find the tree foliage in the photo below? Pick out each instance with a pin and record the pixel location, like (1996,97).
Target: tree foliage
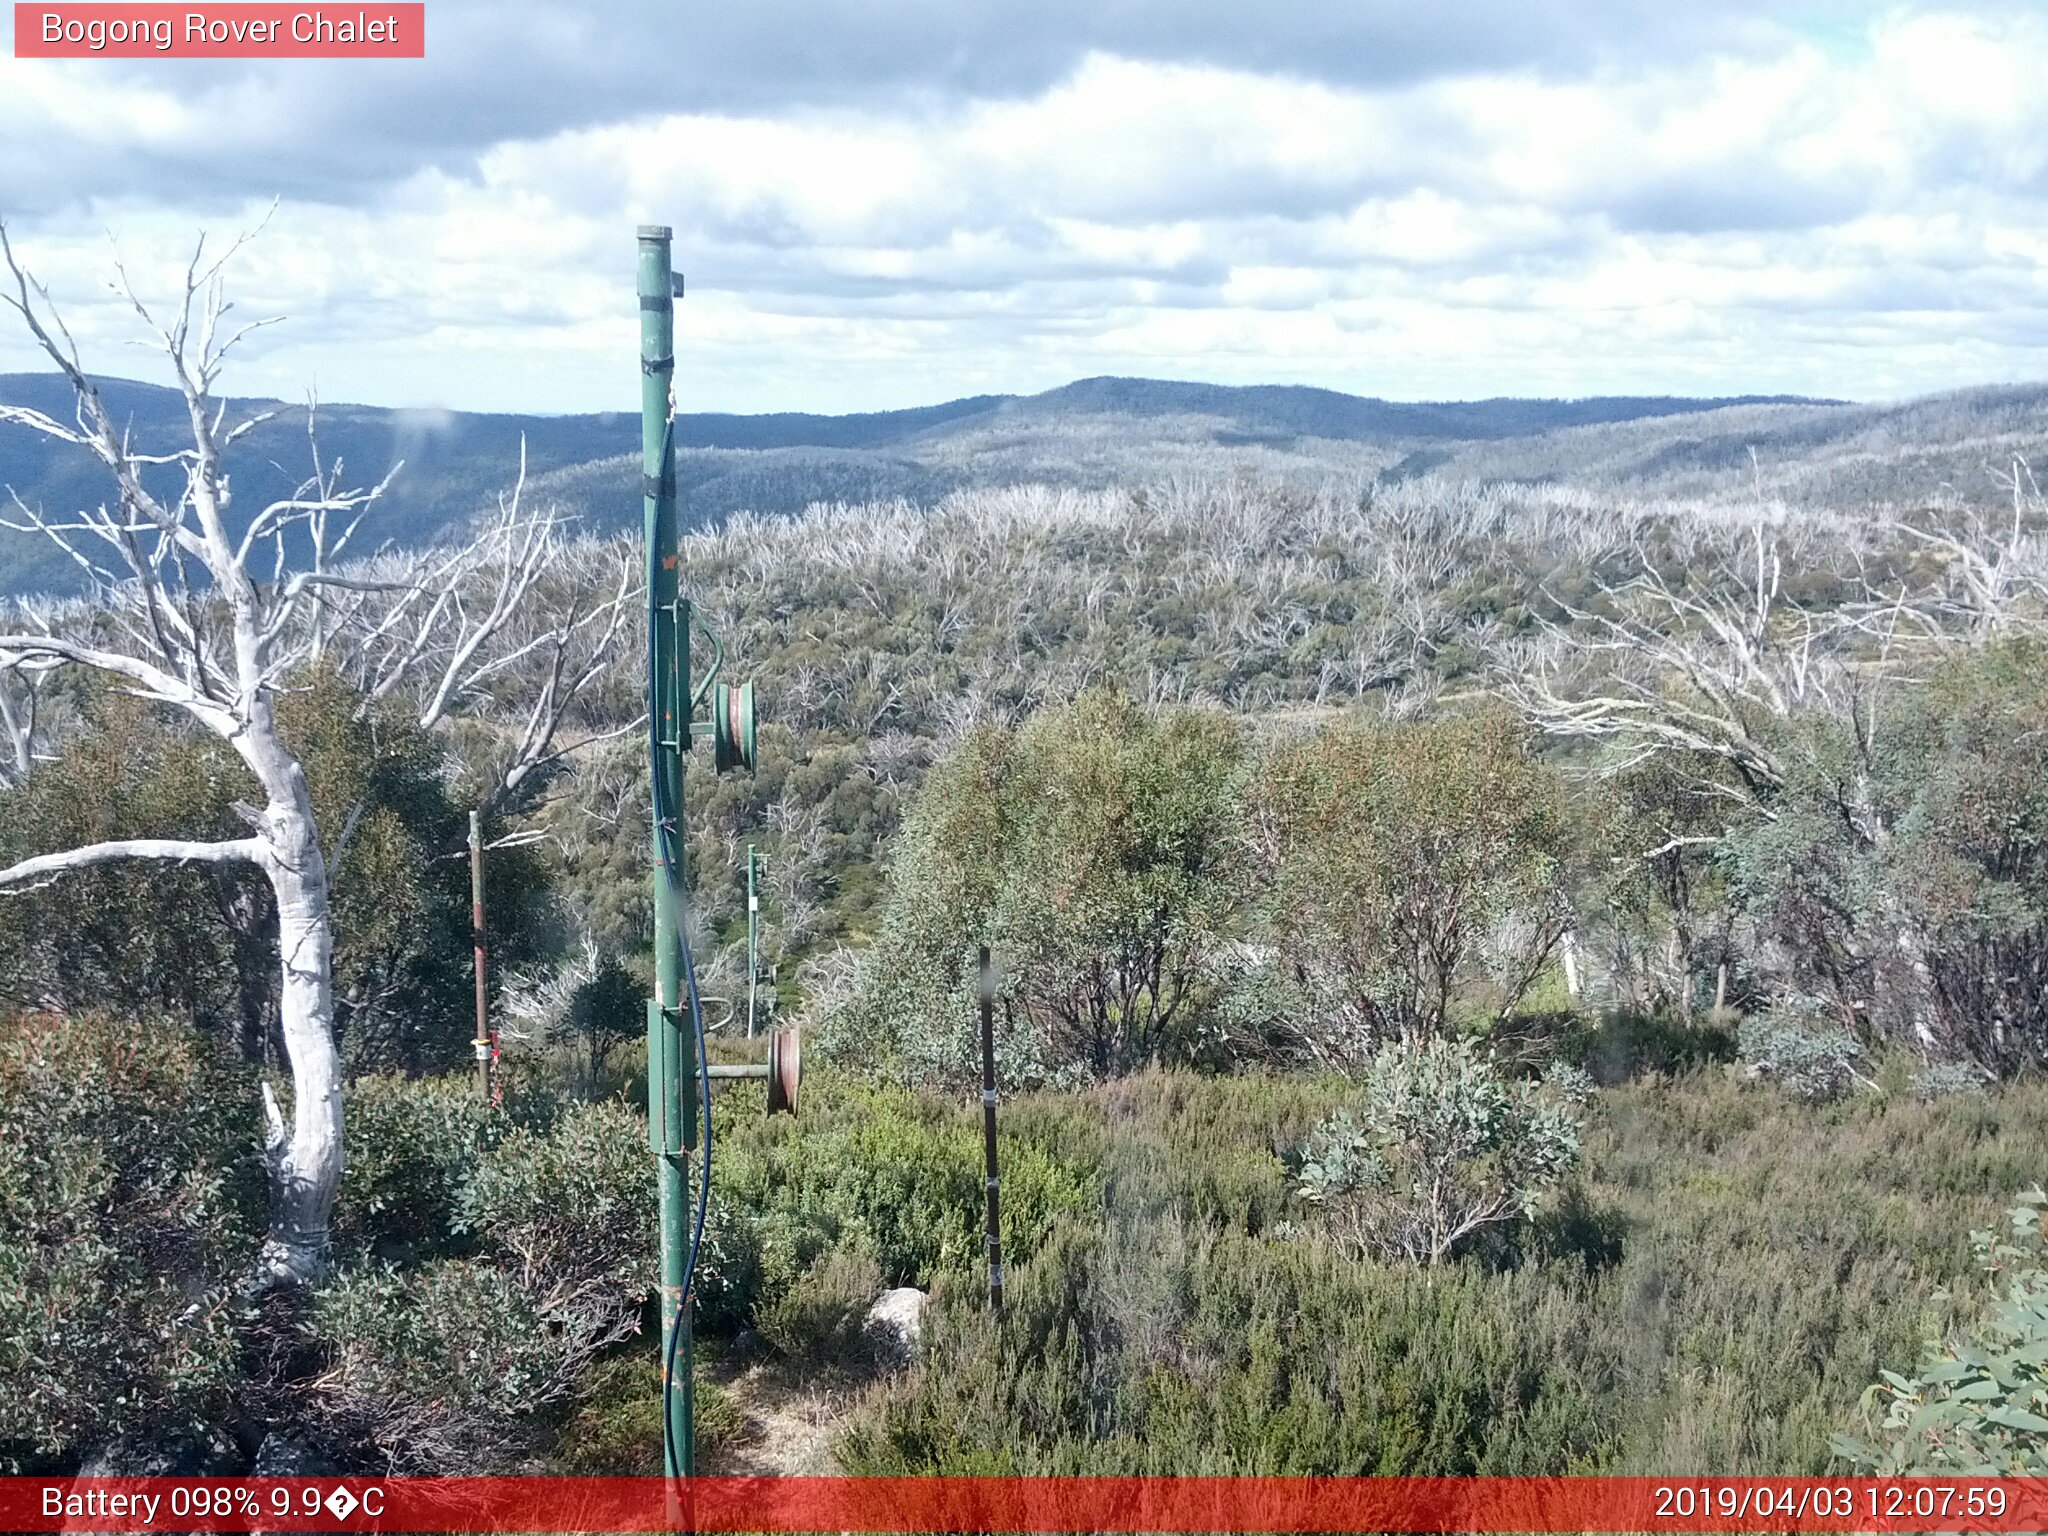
(1090,850)
(1979,1406)
(1412,876)
(198,939)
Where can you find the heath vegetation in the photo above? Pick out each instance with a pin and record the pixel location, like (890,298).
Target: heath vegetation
(1493,977)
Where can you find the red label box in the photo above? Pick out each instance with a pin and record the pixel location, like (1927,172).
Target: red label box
(364,29)
(1740,1506)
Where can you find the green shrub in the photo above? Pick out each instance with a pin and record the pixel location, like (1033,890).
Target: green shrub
(817,1322)
(892,1172)
(130,1210)
(1979,1407)
(444,1369)
(1799,1050)
(616,1428)
(1727,1273)
(464,1364)
(1152,1347)
(1440,1147)
(572,1210)
(729,1279)
(1623,1044)
(411,1145)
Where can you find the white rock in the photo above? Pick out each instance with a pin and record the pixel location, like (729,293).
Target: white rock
(895,1321)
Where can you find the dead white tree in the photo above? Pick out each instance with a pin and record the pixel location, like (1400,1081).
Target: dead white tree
(214,623)
(1701,669)
(21,712)
(517,626)
(1717,672)
(1994,570)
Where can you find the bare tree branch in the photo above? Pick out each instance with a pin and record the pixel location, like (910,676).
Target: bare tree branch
(247,850)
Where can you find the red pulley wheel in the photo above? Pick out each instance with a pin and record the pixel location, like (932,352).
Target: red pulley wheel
(785,1070)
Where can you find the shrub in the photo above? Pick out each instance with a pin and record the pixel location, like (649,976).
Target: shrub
(891,1172)
(411,1143)
(1979,1407)
(450,1368)
(129,1211)
(1441,1146)
(1682,1329)
(1797,1049)
(1624,1044)
(572,1210)
(818,1321)
(616,1428)
(464,1364)
(1948,1079)
(729,1278)
(1157,1347)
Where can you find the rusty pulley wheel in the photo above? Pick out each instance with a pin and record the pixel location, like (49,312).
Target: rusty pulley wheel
(732,726)
(785,1070)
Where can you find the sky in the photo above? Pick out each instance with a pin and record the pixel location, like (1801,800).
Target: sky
(884,203)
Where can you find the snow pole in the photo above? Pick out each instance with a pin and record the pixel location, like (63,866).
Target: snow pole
(480,945)
(992,1237)
(753,943)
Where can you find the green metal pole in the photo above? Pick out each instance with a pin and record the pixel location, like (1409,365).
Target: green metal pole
(670,1083)
(753,962)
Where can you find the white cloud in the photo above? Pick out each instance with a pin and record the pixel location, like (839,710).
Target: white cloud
(1849,211)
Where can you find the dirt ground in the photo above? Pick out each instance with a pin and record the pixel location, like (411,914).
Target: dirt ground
(788,1424)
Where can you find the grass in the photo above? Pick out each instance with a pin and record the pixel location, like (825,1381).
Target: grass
(1730,1271)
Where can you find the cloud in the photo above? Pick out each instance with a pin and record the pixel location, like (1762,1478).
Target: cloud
(528,69)
(881,206)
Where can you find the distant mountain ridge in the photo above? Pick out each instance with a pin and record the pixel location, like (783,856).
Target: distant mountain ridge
(1092,431)
(1310,412)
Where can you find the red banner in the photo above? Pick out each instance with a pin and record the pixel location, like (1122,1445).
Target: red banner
(368,29)
(1024,1504)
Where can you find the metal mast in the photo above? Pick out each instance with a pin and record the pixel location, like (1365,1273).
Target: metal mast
(671,1088)
(677,1062)
(484,1044)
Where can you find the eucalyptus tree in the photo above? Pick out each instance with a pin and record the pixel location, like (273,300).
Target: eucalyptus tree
(195,606)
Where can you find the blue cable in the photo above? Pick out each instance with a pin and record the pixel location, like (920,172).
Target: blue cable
(665,834)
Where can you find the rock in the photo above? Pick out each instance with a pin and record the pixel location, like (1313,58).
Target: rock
(894,1323)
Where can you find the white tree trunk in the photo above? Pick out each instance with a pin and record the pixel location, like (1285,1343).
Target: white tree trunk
(306,1160)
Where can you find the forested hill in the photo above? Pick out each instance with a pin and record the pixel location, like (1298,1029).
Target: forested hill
(1088,433)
